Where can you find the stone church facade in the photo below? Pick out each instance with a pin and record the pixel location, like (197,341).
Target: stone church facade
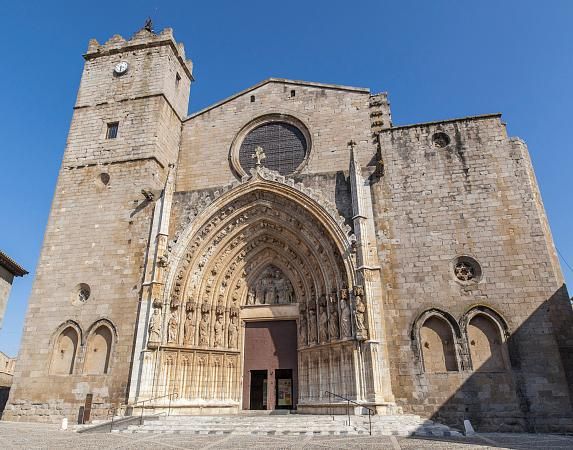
(284,246)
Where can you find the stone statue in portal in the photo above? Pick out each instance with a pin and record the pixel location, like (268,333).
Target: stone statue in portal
(259,293)
(233,332)
(204,330)
(360,312)
(234,309)
(155,326)
(189,327)
(288,292)
(323,324)
(175,301)
(251,297)
(218,337)
(345,316)
(302,329)
(333,320)
(172,328)
(312,326)
(270,289)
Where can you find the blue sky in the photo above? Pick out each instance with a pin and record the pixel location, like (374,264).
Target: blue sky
(437,59)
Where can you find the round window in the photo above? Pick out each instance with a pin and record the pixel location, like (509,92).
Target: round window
(284,145)
(441,140)
(467,270)
(80,294)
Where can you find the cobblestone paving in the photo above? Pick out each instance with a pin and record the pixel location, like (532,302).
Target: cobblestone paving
(42,436)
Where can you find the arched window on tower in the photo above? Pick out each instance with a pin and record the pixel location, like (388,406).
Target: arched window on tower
(98,351)
(65,351)
(486,344)
(438,349)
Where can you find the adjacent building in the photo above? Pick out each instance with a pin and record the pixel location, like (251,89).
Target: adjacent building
(6,375)
(8,270)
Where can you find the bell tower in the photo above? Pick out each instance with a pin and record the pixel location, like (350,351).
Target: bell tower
(124,136)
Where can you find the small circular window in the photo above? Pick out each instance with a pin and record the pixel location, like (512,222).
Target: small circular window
(81,293)
(466,270)
(285,147)
(441,140)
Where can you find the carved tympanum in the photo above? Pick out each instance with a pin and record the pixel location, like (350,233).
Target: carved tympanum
(271,288)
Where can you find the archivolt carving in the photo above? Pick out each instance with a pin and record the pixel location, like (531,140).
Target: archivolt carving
(264,242)
(200,202)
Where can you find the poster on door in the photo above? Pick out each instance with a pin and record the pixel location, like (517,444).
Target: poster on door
(284,391)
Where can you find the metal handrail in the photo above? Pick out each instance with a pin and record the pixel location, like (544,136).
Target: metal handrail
(143,402)
(348,402)
(111,410)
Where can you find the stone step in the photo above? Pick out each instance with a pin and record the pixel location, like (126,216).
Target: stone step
(293,424)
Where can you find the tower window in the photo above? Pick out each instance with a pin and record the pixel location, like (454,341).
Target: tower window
(252,99)
(292,93)
(177,79)
(112,130)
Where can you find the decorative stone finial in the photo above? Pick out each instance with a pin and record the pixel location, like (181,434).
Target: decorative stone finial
(351,144)
(259,155)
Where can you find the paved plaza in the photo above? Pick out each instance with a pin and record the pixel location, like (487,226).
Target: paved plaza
(47,436)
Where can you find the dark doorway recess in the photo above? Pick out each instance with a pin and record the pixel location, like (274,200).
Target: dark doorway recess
(270,365)
(258,389)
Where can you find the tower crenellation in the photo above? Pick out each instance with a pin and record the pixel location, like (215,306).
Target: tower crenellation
(156,65)
(142,86)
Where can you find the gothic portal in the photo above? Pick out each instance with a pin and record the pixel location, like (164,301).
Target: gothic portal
(285,246)
(261,254)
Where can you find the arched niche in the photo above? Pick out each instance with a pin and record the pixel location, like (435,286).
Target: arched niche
(65,350)
(486,333)
(435,333)
(98,353)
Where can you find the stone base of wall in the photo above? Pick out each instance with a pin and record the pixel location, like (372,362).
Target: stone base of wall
(51,412)
(493,421)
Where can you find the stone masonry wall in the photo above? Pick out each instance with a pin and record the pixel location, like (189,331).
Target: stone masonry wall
(332,116)
(148,128)
(99,225)
(473,198)
(96,235)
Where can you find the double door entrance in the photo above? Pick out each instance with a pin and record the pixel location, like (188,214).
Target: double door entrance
(259,390)
(270,365)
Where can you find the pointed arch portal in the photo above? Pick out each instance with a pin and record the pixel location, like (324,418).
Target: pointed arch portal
(264,251)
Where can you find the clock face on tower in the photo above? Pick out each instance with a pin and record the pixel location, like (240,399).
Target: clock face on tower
(120,68)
